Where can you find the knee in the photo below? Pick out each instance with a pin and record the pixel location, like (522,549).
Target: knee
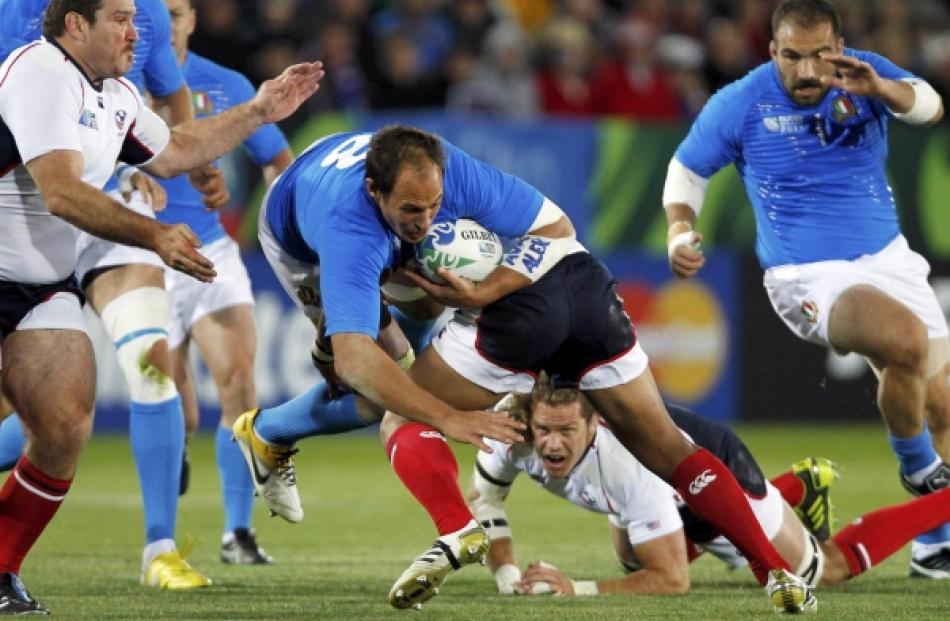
(146,364)
(237,378)
(909,348)
(65,431)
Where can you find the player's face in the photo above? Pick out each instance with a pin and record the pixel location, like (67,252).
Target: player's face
(183,24)
(561,436)
(111,40)
(412,204)
(797,54)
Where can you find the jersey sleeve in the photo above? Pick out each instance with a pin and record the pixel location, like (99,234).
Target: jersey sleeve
(350,268)
(714,140)
(649,510)
(884,67)
(40,103)
(267,141)
(502,203)
(497,467)
(148,134)
(163,74)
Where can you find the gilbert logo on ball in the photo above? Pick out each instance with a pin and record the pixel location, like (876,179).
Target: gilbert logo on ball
(463,247)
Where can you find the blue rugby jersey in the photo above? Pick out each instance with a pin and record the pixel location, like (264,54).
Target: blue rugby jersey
(214,89)
(815,175)
(320,212)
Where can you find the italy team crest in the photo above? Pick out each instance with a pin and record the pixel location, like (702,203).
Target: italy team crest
(843,108)
(203,104)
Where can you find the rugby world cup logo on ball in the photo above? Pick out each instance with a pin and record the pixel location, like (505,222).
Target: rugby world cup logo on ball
(463,247)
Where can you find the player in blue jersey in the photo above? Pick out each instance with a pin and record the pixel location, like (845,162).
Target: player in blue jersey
(344,216)
(218,317)
(808,135)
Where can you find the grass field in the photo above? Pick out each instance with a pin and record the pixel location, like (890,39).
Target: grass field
(362,528)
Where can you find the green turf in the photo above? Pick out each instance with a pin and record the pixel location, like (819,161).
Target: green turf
(362,528)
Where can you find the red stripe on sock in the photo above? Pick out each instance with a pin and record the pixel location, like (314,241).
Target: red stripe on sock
(710,489)
(791,487)
(28,501)
(885,531)
(426,466)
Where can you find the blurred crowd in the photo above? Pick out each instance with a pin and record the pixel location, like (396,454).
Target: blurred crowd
(648,60)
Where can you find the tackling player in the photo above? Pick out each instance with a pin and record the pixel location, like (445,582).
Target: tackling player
(571,454)
(808,134)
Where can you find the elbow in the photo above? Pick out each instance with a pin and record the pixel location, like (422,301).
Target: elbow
(56,204)
(161,170)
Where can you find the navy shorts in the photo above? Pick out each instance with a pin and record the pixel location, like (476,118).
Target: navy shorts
(566,323)
(18,299)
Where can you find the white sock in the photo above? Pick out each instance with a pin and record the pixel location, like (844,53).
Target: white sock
(157,547)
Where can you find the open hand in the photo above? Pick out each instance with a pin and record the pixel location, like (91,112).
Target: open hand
(541,578)
(280,97)
(854,76)
(457,292)
(176,244)
(473,427)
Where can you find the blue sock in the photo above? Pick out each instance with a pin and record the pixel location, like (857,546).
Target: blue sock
(12,441)
(237,488)
(310,414)
(916,453)
(157,434)
(418,331)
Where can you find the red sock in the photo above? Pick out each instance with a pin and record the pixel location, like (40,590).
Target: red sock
(28,501)
(426,466)
(718,499)
(873,537)
(791,487)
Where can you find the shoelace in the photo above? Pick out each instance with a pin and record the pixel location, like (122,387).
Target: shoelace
(285,466)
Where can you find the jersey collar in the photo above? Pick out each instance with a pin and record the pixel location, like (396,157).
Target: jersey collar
(95,84)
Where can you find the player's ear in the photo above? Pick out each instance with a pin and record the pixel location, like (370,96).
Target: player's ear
(371,188)
(773,49)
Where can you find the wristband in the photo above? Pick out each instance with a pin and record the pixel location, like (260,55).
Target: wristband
(123,176)
(926,104)
(584,587)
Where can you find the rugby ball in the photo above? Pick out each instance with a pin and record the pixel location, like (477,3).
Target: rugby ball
(463,247)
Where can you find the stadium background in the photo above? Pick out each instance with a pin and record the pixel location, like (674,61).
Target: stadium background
(586,99)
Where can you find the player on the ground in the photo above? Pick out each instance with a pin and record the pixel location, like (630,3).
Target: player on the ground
(572,455)
(67,117)
(125,286)
(808,134)
(218,316)
(342,213)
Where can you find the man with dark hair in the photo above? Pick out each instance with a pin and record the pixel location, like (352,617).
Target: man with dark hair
(808,134)
(331,231)
(67,117)
(572,455)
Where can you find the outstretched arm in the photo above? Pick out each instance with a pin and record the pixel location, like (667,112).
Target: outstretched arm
(198,142)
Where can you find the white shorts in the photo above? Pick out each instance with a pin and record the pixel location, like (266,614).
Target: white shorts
(456,345)
(94,253)
(803,295)
(770,512)
(191,299)
(61,311)
(300,280)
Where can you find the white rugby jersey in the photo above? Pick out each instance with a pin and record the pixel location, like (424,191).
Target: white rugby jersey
(47,104)
(608,479)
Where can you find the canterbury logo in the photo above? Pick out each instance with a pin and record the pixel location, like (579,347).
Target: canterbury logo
(431,434)
(699,483)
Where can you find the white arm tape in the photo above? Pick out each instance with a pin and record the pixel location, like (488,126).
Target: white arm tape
(686,238)
(489,507)
(684,186)
(584,587)
(533,256)
(123,175)
(403,293)
(926,103)
(548,214)
(506,577)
